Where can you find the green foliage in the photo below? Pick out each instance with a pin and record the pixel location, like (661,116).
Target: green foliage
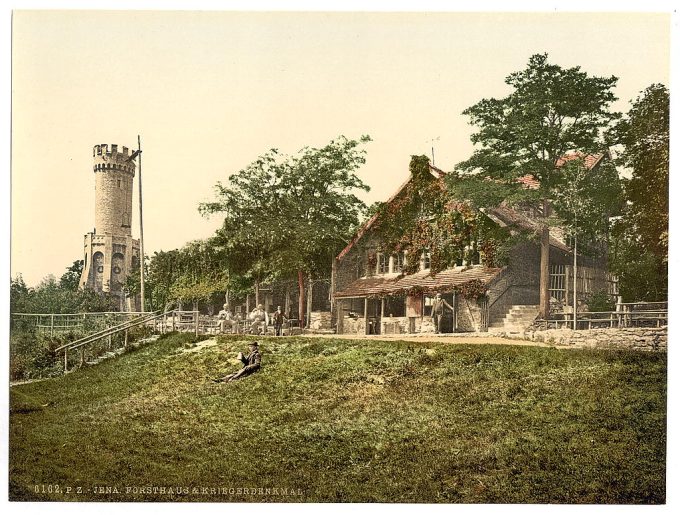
(289,214)
(343,420)
(425,218)
(551,111)
(645,135)
(640,240)
(71,279)
(585,199)
(49,296)
(600,301)
(642,275)
(194,273)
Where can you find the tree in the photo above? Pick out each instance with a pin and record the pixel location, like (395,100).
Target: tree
(550,112)
(71,278)
(49,296)
(289,215)
(641,237)
(644,134)
(585,201)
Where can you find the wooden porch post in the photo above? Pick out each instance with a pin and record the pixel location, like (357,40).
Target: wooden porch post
(366,314)
(382,312)
(455,312)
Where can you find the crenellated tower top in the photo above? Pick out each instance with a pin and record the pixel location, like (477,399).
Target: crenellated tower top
(109,157)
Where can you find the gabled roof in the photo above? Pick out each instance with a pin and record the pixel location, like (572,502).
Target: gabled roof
(436,173)
(503,215)
(444,281)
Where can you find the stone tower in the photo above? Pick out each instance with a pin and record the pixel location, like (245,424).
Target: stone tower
(110,251)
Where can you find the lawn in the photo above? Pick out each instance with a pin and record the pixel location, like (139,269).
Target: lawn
(346,421)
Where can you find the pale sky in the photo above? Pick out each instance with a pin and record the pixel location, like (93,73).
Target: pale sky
(210,91)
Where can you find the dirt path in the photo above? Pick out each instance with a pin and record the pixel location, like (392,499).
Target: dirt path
(461,338)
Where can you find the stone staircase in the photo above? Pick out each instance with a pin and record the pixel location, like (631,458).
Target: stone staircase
(517,320)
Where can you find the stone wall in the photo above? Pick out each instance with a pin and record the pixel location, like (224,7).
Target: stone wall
(353,325)
(635,338)
(320,320)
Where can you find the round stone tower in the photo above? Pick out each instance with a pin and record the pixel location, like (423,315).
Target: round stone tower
(114,172)
(110,251)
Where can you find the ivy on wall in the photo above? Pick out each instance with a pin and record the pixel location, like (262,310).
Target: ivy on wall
(424,218)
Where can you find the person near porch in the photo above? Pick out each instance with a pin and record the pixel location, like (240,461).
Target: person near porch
(279,318)
(438,311)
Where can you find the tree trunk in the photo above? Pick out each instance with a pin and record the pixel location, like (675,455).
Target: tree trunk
(301,299)
(286,308)
(544,291)
(257,292)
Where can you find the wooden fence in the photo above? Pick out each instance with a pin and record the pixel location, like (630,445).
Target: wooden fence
(627,314)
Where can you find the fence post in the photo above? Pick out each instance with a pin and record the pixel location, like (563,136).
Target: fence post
(110,342)
(51,325)
(196,321)
(82,356)
(65,360)
(126,339)
(173,320)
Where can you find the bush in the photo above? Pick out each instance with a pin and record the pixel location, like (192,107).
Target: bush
(601,301)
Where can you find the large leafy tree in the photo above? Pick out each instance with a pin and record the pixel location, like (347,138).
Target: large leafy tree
(640,245)
(551,111)
(644,134)
(289,215)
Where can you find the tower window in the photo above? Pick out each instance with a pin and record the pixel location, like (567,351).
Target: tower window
(119,183)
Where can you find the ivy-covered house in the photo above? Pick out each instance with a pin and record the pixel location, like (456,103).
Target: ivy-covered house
(420,243)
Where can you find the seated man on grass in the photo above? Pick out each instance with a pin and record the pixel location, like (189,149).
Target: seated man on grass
(251,364)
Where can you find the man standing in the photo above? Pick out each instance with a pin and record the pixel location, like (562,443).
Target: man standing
(438,312)
(279,318)
(251,364)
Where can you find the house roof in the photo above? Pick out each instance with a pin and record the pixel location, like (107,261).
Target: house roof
(511,218)
(391,285)
(503,215)
(590,160)
(436,172)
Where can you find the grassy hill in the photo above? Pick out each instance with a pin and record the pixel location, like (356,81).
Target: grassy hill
(346,420)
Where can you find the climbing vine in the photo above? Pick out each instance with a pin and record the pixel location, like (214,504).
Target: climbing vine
(471,290)
(424,218)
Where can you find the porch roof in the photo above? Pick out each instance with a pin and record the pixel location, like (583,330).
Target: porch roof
(444,281)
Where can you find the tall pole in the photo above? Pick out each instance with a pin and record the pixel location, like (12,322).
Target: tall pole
(141,227)
(575,247)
